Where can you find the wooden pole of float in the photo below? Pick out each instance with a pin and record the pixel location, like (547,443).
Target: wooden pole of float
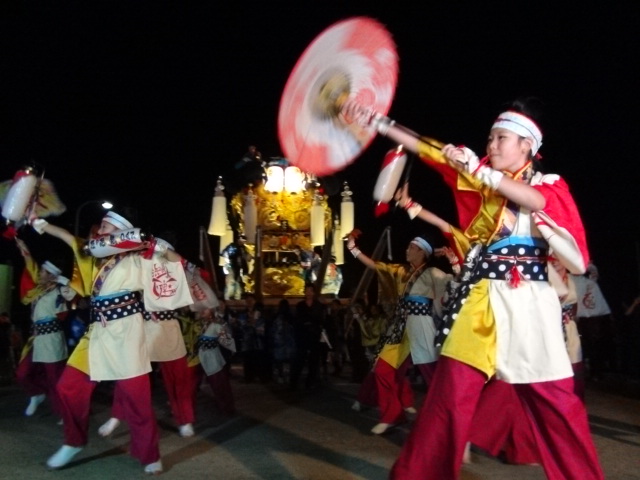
(326,256)
(367,276)
(207,259)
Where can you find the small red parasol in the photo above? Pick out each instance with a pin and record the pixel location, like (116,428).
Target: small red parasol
(353,60)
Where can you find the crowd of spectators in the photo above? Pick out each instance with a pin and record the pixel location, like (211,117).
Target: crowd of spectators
(302,343)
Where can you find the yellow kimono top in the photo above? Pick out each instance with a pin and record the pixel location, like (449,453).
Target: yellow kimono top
(514,333)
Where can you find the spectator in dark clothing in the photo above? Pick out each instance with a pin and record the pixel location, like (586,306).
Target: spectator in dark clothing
(631,331)
(6,355)
(353,336)
(253,342)
(308,322)
(281,339)
(224,316)
(334,326)
(249,169)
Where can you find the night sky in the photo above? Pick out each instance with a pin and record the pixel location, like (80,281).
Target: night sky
(146,104)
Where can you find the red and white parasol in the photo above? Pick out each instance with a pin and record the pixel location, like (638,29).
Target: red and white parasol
(354,60)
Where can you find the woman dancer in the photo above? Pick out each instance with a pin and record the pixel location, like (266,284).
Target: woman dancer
(506,312)
(114,347)
(410,335)
(45,354)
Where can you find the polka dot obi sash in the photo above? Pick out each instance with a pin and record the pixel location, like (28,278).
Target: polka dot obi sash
(416,305)
(159,316)
(113,307)
(206,343)
(514,259)
(514,263)
(43,327)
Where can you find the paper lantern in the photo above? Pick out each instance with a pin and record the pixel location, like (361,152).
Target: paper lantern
(317,221)
(19,194)
(338,244)
(346,211)
(218,222)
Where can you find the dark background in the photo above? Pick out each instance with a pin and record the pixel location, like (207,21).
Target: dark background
(146,103)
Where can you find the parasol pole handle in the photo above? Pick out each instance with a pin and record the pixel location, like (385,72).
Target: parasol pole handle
(366,116)
(409,139)
(415,135)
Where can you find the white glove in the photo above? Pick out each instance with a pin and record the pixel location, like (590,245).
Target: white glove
(465,159)
(461,157)
(412,208)
(489,176)
(161,246)
(39,224)
(367,117)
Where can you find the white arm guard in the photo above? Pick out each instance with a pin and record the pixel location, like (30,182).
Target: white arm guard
(39,225)
(161,246)
(414,210)
(484,173)
(489,176)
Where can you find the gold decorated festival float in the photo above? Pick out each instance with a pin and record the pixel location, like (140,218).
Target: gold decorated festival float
(292,237)
(349,72)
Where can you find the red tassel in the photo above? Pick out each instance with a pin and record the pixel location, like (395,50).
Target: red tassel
(148,253)
(381,209)
(9,233)
(514,277)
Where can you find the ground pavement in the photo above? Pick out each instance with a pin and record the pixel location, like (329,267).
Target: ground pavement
(279,434)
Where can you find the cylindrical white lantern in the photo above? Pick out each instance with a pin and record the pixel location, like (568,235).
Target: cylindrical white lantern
(346,211)
(317,221)
(338,244)
(225,240)
(390,175)
(250,216)
(19,195)
(218,222)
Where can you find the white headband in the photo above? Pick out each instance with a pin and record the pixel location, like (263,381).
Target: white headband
(423,244)
(521,125)
(117,221)
(53,270)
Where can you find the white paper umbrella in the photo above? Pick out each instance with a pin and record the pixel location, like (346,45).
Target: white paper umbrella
(353,60)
